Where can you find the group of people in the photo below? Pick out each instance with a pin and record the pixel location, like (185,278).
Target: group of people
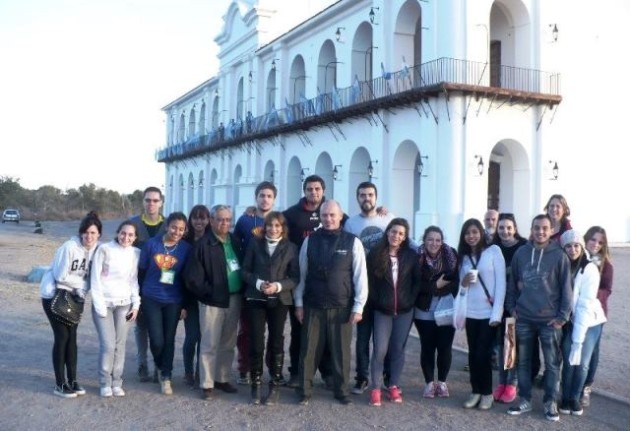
(328,272)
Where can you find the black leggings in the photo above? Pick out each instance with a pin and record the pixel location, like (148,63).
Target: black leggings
(64,352)
(435,339)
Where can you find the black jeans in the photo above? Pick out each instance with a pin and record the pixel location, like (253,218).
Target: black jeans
(480,336)
(434,338)
(162,320)
(274,317)
(64,352)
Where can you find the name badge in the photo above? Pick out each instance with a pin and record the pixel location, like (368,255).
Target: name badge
(167,277)
(233,265)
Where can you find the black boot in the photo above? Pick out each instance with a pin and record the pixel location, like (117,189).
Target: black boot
(276,380)
(256,387)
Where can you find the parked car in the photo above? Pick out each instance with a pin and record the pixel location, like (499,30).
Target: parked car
(11,215)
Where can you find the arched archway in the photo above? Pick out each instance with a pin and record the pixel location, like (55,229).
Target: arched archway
(202,187)
(190,195)
(238,175)
(271,90)
(324,168)
(404,171)
(327,67)
(270,172)
(509,177)
(297,77)
(180,191)
(408,35)
(357,173)
(294,183)
(213,183)
(362,53)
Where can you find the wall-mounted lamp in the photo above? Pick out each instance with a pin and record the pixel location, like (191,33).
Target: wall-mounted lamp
(273,63)
(554,170)
(250,76)
(554,32)
(479,164)
(303,174)
(370,168)
(338,33)
(216,92)
(272,176)
(372,14)
(420,166)
(336,172)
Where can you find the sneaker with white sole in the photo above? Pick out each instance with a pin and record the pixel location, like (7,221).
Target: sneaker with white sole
(77,388)
(360,386)
(441,390)
(106,392)
(165,387)
(523,406)
(64,391)
(117,391)
(429,390)
(486,402)
(551,411)
(394,394)
(375,397)
(585,400)
(576,408)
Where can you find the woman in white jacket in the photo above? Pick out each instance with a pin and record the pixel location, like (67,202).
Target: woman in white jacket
(584,329)
(69,271)
(115,302)
(482,287)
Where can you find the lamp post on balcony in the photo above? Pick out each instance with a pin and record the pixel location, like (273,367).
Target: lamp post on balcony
(326,73)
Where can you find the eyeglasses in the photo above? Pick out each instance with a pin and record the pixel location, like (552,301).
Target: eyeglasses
(147,200)
(506,216)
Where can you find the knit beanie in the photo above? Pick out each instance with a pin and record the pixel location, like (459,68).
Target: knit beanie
(572,236)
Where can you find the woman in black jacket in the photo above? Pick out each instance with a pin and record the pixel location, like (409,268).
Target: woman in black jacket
(438,263)
(394,283)
(270,271)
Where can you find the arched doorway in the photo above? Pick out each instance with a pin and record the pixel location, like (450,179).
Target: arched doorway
(509,177)
(324,168)
(294,183)
(357,173)
(405,179)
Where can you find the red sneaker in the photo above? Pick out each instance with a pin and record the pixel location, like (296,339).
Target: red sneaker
(375,397)
(509,394)
(498,392)
(394,394)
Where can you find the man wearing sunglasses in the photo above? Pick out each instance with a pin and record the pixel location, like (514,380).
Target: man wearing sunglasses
(148,224)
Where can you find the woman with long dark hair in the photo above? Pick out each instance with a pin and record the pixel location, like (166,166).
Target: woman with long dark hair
(198,226)
(69,271)
(508,240)
(161,263)
(115,302)
(440,277)
(394,283)
(482,285)
(596,241)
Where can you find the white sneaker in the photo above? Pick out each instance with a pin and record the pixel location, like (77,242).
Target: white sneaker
(166,388)
(106,392)
(117,391)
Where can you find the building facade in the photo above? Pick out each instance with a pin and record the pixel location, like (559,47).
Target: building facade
(449,107)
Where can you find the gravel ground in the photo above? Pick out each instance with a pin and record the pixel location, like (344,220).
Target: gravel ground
(27,379)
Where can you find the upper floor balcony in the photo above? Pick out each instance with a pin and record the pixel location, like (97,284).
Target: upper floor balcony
(409,86)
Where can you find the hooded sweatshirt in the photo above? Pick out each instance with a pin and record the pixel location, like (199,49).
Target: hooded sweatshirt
(540,287)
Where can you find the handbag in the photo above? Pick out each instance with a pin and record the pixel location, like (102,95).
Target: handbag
(67,307)
(461,309)
(444,310)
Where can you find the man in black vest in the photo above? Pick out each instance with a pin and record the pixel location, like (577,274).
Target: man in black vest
(330,298)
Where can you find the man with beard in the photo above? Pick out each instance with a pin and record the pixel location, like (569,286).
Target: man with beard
(302,220)
(368,226)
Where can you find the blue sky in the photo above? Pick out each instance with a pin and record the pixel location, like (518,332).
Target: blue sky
(83,83)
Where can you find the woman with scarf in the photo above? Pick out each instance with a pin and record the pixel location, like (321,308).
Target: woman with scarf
(439,277)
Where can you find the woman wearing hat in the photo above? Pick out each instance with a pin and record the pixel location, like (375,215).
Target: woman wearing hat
(584,329)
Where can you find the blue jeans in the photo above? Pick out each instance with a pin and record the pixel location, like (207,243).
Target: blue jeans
(550,338)
(592,369)
(573,377)
(390,335)
(162,320)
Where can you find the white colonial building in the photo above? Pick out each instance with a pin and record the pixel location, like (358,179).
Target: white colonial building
(448,106)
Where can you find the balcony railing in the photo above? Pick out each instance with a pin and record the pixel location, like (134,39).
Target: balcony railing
(390,89)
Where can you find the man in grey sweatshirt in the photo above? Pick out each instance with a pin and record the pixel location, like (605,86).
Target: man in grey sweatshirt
(539,296)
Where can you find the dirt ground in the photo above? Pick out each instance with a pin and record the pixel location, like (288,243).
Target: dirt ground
(27,402)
